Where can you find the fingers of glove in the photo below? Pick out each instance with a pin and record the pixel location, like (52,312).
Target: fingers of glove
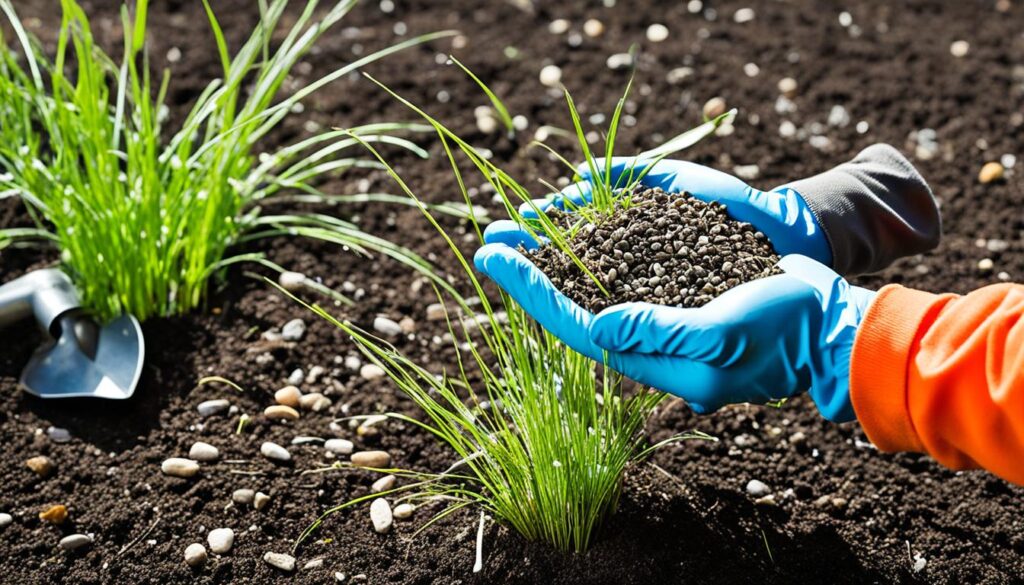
(675,176)
(576,195)
(513,235)
(644,328)
(533,291)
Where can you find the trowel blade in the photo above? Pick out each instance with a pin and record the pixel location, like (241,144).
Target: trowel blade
(61,369)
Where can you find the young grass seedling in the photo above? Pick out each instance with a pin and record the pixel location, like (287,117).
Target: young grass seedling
(143,216)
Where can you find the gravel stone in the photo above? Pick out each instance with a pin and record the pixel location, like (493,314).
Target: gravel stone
(619,61)
(275,452)
(559,26)
(377,459)
(744,15)
(714,107)
(657,33)
(387,327)
(384,484)
(180,467)
(292,281)
(403,511)
(75,541)
(959,48)
(280,412)
(280,561)
(339,446)
(293,330)
(990,173)
(787,87)
(435,312)
(380,515)
(296,377)
(58,435)
(221,540)
(55,515)
(371,372)
(667,249)
(195,555)
(551,76)
(260,501)
(201,451)
(757,488)
(315,401)
(593,28)
(243,497)
(6,520)
(288,396)
(41,465)
(213,407)
(302,440)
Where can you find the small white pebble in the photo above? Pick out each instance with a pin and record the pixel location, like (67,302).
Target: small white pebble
(339,446)
(657,33)
(744,15)
(371,372)
(403,511)
(551,76)
(201,451)
(380,515)
(558,26)
(787,86)
(260,500)
(757,488)
(959,48)
(180,467)
(281,561)
(751,70)
(275,452)
(985,264)
(384,484)
(195,555)
(291,281)
(221,540)
(593,28)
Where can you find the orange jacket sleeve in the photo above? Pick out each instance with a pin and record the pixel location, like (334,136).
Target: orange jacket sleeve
(944,374)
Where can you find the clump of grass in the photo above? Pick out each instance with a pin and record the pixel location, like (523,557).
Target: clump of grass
(544,436)
(144,216)
(543,439)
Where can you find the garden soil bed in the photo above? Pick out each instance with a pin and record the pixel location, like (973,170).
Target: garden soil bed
(844,513)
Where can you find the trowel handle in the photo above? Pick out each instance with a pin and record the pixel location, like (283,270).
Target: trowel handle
(47,294)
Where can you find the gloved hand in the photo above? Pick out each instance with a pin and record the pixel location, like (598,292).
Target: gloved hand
(781,214)
(767,339)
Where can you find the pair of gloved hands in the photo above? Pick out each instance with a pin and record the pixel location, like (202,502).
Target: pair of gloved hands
(764,340)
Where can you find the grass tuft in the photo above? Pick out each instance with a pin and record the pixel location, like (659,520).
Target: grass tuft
(144,216)
(541,434)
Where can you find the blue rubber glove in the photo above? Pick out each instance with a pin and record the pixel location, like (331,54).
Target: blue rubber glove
(764,340)
(781,214)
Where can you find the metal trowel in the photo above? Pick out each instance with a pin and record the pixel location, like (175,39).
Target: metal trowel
(81,358)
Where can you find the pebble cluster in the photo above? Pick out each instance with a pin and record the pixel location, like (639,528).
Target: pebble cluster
(667,249)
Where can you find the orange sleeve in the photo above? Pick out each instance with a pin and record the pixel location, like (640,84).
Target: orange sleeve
(944,374)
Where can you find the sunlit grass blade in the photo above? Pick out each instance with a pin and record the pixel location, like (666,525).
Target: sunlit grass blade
(499,107)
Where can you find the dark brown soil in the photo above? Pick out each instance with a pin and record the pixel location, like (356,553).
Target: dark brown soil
(845,513)
(662,248)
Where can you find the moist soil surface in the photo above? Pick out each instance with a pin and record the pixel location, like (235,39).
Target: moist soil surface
(656,247)
(843,512)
